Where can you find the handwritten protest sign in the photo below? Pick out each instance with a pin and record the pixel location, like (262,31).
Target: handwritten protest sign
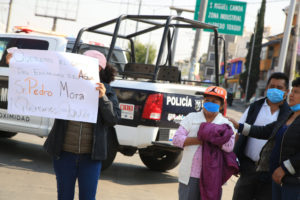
(53,84)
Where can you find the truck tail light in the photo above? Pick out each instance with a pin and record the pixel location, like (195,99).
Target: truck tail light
(153,107)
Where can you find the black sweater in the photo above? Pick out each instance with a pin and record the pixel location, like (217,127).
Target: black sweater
(290,146)
(108,115)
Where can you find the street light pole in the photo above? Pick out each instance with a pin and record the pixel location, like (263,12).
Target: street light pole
(224,58)
(179,12)
(295,45)
(197,41)
(286,37)
(139,12)
(8,15)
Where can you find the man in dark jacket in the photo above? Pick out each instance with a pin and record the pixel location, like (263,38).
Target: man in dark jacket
(281,154)
(252,184)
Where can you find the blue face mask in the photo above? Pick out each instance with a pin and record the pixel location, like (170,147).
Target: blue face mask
(211,107)
(295,108)
(275,95)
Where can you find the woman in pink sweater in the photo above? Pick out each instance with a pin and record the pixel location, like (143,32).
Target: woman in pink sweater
(186,138)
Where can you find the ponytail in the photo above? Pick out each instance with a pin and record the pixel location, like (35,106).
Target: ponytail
(108,74)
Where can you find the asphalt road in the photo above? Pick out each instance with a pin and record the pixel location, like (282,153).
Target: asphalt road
(26,174)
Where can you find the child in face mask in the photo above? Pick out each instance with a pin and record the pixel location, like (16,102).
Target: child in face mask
(188,138)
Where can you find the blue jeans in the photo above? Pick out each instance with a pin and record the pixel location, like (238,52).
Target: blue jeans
(71,166)
(285,192)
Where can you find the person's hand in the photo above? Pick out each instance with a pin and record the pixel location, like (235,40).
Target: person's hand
(192,141)
(8,57)
(101,88)
(277,175)
(234,122)
(236,175)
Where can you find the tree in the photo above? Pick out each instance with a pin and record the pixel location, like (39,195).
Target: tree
(254,72)
(141,52)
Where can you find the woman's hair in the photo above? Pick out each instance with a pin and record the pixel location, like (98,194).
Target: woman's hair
(296,82)
(222,101)
(280,76)
(108,74)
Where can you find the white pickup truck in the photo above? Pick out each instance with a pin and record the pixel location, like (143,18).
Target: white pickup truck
(152,98)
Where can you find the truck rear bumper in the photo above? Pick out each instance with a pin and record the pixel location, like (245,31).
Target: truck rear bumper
(143,136)
(167,146)
(140,136)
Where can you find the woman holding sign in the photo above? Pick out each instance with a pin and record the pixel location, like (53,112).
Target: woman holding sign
(78,148)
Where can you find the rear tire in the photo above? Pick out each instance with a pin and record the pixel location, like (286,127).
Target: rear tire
(4,134)
(160,160)
(112,148)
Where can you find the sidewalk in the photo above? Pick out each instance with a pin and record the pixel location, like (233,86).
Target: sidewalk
(238,105)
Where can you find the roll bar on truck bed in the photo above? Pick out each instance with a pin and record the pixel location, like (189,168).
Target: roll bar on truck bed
(155,22)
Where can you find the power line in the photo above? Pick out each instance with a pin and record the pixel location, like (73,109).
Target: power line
(268,2)
(134,4)
(185,6)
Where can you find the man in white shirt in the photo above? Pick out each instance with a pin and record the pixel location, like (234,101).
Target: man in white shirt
(252,184)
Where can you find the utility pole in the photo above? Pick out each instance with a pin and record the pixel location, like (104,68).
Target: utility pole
(179,12)
(286,37)
(125,25)
(42,10)
(139,12)
(295,45)
(148,49)
(250,63)
(197,41)
(8,15)
(54,23)
(148,45)
(223,45)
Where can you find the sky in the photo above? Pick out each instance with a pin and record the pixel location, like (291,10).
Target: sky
(91,12)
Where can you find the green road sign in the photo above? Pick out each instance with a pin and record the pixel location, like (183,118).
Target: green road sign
(229,16)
